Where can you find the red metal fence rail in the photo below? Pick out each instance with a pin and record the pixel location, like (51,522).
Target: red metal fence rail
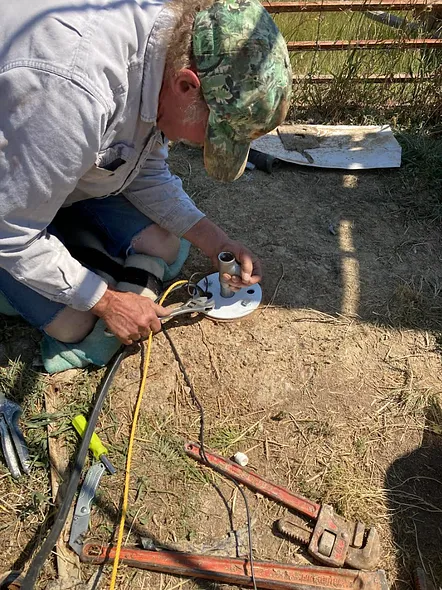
(303,6)
(364,44)
(352,5)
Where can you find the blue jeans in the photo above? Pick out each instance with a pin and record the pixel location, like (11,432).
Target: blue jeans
(114,220)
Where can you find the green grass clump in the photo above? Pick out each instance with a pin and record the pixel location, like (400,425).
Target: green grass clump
(422,173)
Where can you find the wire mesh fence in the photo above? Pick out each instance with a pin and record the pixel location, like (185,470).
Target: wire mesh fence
(364,60)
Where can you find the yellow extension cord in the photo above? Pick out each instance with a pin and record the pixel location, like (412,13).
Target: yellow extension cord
(131,445)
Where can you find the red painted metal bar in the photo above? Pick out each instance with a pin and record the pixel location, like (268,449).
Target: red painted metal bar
(364,44)
(349,5)
(268,575)
(255,481)
(373,79)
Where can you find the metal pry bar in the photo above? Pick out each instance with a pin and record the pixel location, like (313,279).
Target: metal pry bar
(14,446)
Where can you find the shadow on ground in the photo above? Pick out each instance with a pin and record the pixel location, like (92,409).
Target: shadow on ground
(414,489)
(359,243)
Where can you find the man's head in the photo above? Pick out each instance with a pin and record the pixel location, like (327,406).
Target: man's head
(240,65)
(242,62)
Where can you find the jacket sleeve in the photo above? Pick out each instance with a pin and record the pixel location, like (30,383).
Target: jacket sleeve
(159,194)
(50,130)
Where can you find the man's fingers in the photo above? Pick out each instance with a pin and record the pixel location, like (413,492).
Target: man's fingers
(161,311)
(251,272)
(236,282)
(255,278)
(257,271)
(156,325)
(246,262)
(232,279)
(131,317)
(135,337)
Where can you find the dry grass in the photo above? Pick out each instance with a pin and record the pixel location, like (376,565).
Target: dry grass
(344,100)
(341,409)
(24,503)
(342,464)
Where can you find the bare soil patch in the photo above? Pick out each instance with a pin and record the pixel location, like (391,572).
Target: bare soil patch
(333,388)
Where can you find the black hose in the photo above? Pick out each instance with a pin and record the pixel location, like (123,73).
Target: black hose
(203,455)
(262,161)
(50,541)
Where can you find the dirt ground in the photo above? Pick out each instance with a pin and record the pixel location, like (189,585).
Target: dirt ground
(332,388)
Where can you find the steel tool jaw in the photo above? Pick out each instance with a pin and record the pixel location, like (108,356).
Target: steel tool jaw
(13,444)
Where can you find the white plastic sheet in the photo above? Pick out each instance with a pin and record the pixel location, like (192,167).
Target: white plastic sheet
(348,147)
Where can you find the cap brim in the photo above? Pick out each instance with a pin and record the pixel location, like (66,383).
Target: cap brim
(224,158)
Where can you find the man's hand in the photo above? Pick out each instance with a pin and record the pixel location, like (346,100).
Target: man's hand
(251,272)
(212,240)
(128,316)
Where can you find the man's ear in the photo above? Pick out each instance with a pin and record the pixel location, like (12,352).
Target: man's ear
(186,84)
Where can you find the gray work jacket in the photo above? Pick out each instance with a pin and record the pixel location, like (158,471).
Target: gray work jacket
(79,87)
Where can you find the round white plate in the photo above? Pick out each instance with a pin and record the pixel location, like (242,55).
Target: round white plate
(243,302)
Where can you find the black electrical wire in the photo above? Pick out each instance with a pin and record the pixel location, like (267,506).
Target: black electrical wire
(193,287)
(50,541)
(63,512)
(198,404)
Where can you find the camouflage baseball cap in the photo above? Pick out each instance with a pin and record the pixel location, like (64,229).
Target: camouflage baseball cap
(244,69)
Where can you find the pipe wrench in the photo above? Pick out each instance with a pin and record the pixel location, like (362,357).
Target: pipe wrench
(331,539)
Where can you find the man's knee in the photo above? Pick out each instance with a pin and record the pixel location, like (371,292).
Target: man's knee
(70,325)
(156,241)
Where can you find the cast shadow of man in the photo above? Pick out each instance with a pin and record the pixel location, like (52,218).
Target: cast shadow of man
(414,489)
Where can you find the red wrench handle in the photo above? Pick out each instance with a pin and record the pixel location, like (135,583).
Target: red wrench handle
(254,481)
(269,575)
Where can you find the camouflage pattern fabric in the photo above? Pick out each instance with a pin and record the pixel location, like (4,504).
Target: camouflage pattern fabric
(246,79)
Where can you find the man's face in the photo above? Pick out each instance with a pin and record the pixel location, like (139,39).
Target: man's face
(192,127)
(182,112)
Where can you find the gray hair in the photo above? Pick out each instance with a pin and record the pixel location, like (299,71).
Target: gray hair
(179,53)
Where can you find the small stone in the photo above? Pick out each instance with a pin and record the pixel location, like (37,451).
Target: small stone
(241,458)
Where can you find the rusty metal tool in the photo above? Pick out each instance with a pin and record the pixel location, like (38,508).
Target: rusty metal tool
(13,444)
(268,575)
(331,539)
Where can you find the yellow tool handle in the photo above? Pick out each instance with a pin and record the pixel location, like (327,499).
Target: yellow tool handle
(96,446)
